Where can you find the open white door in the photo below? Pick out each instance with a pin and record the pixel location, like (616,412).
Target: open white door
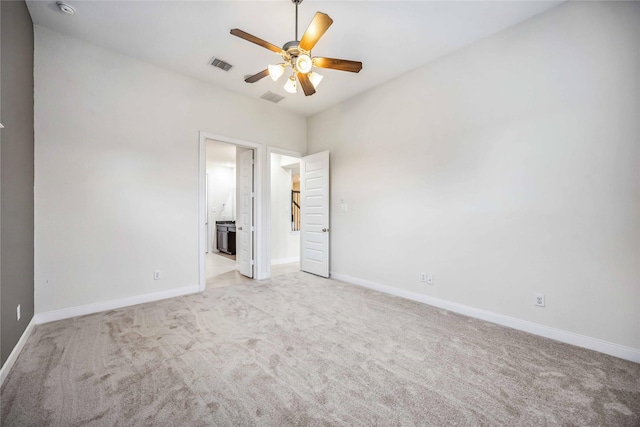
(314,224)
(244,226)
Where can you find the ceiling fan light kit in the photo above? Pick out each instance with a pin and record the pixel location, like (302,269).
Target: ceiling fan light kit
(315,78)
(291,86)
(303,63)
(276,71)
(297,55)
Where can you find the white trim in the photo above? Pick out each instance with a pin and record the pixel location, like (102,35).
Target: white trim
(267,254)
(262,267)
(285,260)
(202,238)
(283,151)
(81,310)
(617,350)
(13,356)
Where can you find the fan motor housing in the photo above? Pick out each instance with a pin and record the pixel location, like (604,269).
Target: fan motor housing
(293,48)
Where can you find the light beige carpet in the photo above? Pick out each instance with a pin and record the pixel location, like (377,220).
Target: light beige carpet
(301,350)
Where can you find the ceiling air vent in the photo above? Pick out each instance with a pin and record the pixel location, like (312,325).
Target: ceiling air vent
(272,97)
(220,64)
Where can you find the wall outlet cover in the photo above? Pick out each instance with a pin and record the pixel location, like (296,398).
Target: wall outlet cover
(539,300)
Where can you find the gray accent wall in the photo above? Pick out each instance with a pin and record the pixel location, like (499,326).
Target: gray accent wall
(16,170)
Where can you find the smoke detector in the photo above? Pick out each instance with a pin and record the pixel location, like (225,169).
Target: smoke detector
(65,8)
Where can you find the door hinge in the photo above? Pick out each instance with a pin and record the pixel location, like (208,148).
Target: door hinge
(252,263)
(253,229)
(253,195)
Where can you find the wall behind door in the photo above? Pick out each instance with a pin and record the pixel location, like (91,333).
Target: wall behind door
(220,165)
(222,196)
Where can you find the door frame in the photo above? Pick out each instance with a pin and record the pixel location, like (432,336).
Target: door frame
(260,239)
(267,191)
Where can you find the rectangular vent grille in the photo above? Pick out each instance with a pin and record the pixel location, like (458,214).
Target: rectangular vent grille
(272,97)
(220,64)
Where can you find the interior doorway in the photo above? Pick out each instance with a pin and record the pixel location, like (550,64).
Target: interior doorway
(220,215)
(298,227)
(285,212)
(230,210)
(220,187)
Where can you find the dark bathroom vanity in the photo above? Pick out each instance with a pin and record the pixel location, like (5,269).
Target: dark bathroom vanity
(226,237)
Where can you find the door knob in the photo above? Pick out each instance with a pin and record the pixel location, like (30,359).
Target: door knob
(325,230)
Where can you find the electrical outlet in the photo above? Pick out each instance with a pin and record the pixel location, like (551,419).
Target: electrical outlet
(157,275)
(426,278)
(539,300)
(18,312)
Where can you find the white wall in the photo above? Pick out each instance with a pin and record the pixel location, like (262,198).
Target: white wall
(507,168)
(116,169)
(285,245)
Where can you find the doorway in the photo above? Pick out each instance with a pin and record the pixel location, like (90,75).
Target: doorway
(285,212)
(229,210)
(309,228)
(220,210)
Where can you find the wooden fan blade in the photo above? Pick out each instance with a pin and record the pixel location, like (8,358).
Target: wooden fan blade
(253,39)
(319,25)
(338,64)
(256,77)
(306,84)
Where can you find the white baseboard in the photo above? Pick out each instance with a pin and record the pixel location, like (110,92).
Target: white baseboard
(612,349)
(65,313)
(285,260)
(6,368)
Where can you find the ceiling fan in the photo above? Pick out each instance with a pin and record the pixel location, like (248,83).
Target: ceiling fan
(297,55)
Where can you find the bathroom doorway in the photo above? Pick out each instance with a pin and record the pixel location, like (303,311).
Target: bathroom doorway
(228,213)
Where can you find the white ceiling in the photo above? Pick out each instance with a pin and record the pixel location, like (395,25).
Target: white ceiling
(389,37)
(221,153)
